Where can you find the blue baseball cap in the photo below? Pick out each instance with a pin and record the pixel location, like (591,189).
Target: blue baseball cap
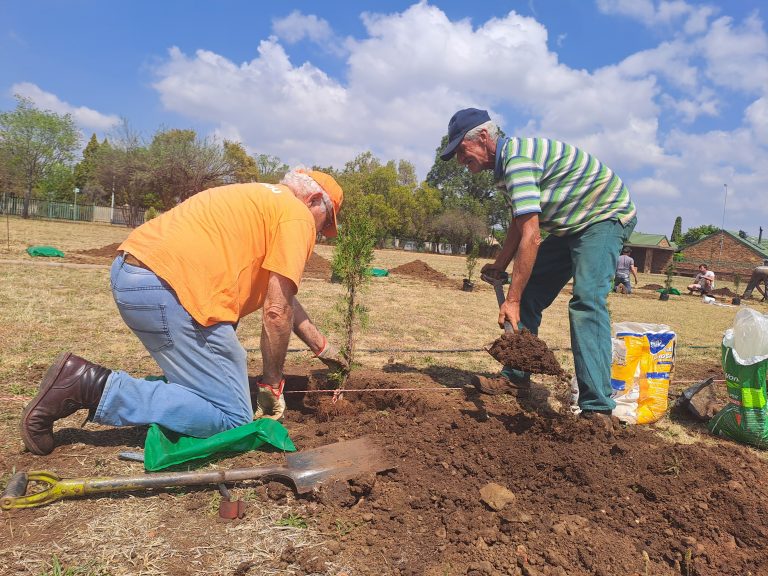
(461,123)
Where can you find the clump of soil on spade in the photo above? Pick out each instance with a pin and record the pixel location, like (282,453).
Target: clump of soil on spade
(420,270)
(651,287)
(317,267)
(525,351)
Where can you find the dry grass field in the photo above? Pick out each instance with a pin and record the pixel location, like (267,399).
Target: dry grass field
(47,307)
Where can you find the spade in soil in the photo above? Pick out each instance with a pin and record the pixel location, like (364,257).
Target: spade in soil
(521,350)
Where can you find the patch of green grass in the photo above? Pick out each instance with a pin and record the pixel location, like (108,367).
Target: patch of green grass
(21,390)
(343,528)
(292,520)
(89,569)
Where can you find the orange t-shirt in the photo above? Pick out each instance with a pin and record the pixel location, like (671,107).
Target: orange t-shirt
(217,248)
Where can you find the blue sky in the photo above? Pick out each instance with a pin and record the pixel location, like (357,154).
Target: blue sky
(672,94)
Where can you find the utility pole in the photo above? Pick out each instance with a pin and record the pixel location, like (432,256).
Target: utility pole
(722,228)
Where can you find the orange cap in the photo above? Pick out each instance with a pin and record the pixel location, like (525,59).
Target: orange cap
(335,193)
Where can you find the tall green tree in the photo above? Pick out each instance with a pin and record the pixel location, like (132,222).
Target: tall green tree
(243,167)
(123,165)
(677,230)
(271,168)
(693,234)
(84,177)
(181,165)
(461,189)
(33,141)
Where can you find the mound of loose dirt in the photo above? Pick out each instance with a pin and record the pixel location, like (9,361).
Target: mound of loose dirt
(103,255)
(525,351)
(585,501)
(651,287)
(317,267)
(421,270)
(109,251)
(724,292)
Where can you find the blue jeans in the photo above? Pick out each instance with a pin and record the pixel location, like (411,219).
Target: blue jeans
(589,257)
(625,281)
(207,389)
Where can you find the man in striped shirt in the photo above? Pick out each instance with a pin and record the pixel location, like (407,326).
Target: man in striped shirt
(587,211)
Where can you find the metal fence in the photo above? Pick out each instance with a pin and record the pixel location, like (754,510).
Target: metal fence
(49,209)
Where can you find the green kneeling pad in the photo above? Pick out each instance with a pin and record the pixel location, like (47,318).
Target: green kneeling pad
(45,251)
(164,448)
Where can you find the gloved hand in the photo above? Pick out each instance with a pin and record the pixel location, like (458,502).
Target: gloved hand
(269,401)
(333,358)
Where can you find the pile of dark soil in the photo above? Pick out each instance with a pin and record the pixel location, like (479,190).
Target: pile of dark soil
(525,351)
(109,251)
(724,292)
(317,267)
(103,255)
(481,486)
(421,270)
(651,287)
(583,500)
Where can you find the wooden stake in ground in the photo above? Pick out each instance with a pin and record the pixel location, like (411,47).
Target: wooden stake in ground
(351,262)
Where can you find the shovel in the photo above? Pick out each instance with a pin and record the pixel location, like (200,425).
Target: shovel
(498,288)
(307,470)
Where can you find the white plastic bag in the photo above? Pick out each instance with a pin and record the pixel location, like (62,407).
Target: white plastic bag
(748,337)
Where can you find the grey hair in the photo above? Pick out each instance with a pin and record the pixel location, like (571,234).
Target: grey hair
(490,127)
(303,185)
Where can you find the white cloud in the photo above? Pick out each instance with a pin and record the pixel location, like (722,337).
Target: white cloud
(653,187)
(737,56)
(85,118)
(661,13)
(297,26)
(756,116)
(413,69)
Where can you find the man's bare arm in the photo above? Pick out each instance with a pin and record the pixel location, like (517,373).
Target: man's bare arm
(277,325)
(527,226)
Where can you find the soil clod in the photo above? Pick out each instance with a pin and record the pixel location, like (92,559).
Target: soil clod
(525,351)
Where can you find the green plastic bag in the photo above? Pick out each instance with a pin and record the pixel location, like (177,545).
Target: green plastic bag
(164,448)
(745,418)
(45,251)
(378,272)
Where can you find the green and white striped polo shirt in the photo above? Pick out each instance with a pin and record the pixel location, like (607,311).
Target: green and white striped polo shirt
(569,188)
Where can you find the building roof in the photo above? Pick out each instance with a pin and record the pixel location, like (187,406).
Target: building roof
(750,242)
(643,240)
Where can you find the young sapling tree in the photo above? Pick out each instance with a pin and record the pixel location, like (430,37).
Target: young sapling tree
(351,262)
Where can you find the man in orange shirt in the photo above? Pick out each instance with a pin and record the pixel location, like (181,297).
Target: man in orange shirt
(182,282)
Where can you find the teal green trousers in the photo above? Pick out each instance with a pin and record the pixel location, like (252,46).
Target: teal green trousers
(589,257)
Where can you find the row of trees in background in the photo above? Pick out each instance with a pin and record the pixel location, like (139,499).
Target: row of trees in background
(39,152)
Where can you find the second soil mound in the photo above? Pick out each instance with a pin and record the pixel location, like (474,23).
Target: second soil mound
(421,270)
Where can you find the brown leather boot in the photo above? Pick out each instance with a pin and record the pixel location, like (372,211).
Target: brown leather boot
(495,385)
(70,384)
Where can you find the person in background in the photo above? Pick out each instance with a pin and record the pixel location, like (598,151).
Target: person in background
(703,282)
(587,210)
(182,282)
(624,268)
(759,276)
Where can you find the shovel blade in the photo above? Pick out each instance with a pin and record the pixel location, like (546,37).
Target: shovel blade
(345,460)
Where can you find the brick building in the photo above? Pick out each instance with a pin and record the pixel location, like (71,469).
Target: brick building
(725,253)
(651,252)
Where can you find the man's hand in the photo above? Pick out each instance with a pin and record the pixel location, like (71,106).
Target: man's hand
(510,312)
(493,272)
(269,401)
(333,358)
